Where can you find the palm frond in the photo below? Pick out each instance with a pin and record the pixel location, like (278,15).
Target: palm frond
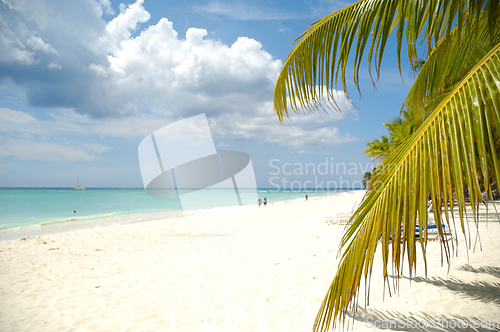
(453,147)
(323,51)
(447,65)
(378,150)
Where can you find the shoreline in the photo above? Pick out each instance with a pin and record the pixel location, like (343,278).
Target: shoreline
(115,218)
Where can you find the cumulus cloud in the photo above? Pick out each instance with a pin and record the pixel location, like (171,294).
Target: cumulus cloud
(119,79)
(180,77)
(120,28)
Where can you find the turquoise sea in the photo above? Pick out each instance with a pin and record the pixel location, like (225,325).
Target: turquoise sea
(39,208)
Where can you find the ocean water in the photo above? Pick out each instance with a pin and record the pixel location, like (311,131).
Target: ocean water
(44,207)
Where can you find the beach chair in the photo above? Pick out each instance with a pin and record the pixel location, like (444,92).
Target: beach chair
(432,231)
(341,218)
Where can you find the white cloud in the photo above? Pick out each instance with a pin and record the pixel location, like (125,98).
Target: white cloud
(16,123)
(12,50)
(310,129)
(71,25)
(25,137)
(54,65)
(119,84)
(38,44)
(183,73)
(119,29)
(12,120)
(106,7)
(13,33)
(96,148)
(222,145)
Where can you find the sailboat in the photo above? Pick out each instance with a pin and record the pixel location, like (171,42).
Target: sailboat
(78,187)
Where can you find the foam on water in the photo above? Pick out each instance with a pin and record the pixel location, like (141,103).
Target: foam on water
(83,218)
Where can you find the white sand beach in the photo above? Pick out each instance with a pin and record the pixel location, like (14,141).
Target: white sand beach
(266,271)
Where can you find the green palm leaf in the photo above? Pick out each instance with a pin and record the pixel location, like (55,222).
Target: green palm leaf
(378,150)
(456,143)
(323,51)
(443,69)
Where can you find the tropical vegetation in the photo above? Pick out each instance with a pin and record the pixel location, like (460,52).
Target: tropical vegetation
(366,179)
(448,141)
(399,130)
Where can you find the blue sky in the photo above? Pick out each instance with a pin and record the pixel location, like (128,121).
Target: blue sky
(82,82)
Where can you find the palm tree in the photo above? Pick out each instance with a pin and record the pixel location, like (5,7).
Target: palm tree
(399,130)
(378,150)
(366,178)
(458,90)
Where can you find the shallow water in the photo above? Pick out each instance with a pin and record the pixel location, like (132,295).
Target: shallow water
(45,210)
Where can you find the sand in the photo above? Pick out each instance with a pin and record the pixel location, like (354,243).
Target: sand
(265,271)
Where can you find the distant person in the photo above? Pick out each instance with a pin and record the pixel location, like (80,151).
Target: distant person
(260,202)
(307,197)
(74,211)
(265,201)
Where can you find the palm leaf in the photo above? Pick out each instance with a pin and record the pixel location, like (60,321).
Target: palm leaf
(378,150)
(443,69)
(323,51)
(455,144)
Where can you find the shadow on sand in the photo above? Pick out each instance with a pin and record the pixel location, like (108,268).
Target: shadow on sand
(481,291)
(491,270)
(422,321)
(476,290)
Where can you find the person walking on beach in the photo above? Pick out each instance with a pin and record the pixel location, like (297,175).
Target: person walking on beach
(260,202)
(306,197)
(265,201)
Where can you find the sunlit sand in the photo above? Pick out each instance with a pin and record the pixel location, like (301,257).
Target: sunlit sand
(266,271)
